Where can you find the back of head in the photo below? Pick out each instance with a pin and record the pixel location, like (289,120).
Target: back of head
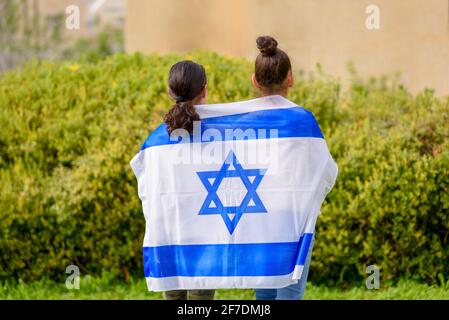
(272,65)
(186,81)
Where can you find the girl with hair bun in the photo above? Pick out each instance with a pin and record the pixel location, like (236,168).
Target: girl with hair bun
(273,70)
(273,77)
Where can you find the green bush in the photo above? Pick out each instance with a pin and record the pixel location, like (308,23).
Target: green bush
(68,195)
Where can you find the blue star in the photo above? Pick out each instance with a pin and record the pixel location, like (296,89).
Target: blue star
(212,180)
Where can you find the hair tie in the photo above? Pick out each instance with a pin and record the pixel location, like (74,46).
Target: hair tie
(180,99)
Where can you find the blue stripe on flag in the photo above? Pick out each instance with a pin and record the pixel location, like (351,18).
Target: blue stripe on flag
(304,248)
(289,123)
(222,260)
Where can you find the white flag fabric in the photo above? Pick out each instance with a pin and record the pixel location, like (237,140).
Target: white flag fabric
(234,204)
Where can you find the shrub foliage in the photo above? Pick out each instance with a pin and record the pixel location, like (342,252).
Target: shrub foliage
(68,195)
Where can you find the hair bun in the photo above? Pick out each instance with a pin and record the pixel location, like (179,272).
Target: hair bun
(267,45)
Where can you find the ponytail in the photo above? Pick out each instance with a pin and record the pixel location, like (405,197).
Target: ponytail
(186,82)
(181,116)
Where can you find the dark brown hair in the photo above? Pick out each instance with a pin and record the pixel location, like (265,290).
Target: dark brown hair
(185,82)
(272,65)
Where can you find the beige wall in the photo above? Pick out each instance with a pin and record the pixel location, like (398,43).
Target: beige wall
(413,38)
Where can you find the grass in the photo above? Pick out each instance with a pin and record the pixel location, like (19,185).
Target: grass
(107,287)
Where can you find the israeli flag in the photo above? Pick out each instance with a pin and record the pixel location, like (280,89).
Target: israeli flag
(234,204)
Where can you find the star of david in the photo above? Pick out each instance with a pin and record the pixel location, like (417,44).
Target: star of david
(251,203)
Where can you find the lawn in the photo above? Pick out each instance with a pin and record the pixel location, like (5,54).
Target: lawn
(109,288)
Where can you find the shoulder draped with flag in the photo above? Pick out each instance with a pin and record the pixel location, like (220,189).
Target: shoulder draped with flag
(233,205)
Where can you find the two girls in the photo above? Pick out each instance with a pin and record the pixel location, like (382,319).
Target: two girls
(187,86)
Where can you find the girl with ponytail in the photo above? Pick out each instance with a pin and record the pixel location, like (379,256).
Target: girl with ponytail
(187,87)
